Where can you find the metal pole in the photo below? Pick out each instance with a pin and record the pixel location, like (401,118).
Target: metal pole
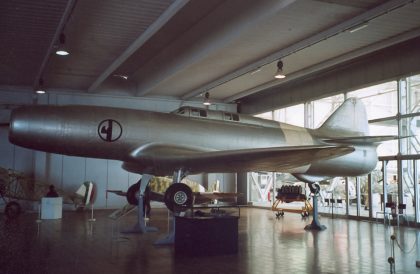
(347,196)
(385,179)
(358,195)
(416,193)
(370,195)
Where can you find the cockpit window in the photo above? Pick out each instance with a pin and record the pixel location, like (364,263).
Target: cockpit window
(231,117)
(203,113)
(198,112)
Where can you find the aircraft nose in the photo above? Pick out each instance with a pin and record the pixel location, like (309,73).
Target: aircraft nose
(20,124)
(29,127)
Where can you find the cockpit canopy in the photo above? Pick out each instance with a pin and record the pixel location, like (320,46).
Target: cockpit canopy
(194,112)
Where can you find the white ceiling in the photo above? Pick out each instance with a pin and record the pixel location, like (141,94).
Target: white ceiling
(182,49)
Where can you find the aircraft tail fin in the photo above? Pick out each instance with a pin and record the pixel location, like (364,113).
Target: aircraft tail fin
(349,120)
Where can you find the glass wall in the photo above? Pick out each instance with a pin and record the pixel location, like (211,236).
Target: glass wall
(293,115)
(323,108)
(393,108)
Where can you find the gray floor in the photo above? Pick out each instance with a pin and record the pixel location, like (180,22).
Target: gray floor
(266,245)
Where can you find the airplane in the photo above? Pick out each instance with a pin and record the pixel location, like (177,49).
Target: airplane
(192,140)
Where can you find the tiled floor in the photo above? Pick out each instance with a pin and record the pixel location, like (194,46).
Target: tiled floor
(266,245)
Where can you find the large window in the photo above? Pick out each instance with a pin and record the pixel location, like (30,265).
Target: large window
(393,108)
(380,100)
(293,115)
(381,103)
(323,108)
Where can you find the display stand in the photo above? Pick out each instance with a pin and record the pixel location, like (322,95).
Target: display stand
(51,208)
(170,237)
(140,226)
(198,236)
(39,213)
(91,214)
(315,225)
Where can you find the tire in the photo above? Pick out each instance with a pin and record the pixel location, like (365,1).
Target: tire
(178,197)
(132,194)
(12,210)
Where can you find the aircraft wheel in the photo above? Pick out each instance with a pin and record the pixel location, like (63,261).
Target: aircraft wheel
(278,214)
(12,210)
(178,197)
(133,194)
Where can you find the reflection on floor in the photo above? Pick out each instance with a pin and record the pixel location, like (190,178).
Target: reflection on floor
(266,245)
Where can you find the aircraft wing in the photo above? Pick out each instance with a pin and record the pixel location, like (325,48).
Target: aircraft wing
(206,197)
(161,159)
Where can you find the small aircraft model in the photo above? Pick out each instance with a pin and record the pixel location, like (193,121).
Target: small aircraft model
(16,186)
(193,140)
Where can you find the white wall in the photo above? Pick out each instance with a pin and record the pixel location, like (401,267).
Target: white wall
(11,156)
(67,172)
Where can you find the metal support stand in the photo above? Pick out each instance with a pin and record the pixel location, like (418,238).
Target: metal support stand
(418,247)
(39,214)
(140,226)
(315,225)
(391,260)
(170,237)
(91,214)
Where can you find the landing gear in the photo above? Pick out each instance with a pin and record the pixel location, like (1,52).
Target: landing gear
(178,197)
(135,196)
(315,225)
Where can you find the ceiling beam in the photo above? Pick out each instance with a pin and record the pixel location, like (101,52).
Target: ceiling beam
(140,41)
(329,63)
(249,14)
(312,40)
(60,27)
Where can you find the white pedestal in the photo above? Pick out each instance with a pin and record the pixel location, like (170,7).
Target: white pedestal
(51,208)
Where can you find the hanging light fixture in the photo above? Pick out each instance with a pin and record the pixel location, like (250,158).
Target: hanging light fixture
(279,73)
(39,89)
(61,50)
(206,101)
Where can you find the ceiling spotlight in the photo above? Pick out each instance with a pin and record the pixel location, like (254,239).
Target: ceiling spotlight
(61,50)
(279,73)
(39,89)
(206,101)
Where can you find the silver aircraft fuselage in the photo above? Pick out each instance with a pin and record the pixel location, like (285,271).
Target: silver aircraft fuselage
(195,140)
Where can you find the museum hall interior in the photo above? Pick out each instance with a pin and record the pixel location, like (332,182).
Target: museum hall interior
(214,136)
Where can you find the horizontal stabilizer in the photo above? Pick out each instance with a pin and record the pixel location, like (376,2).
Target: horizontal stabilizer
(360,139)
